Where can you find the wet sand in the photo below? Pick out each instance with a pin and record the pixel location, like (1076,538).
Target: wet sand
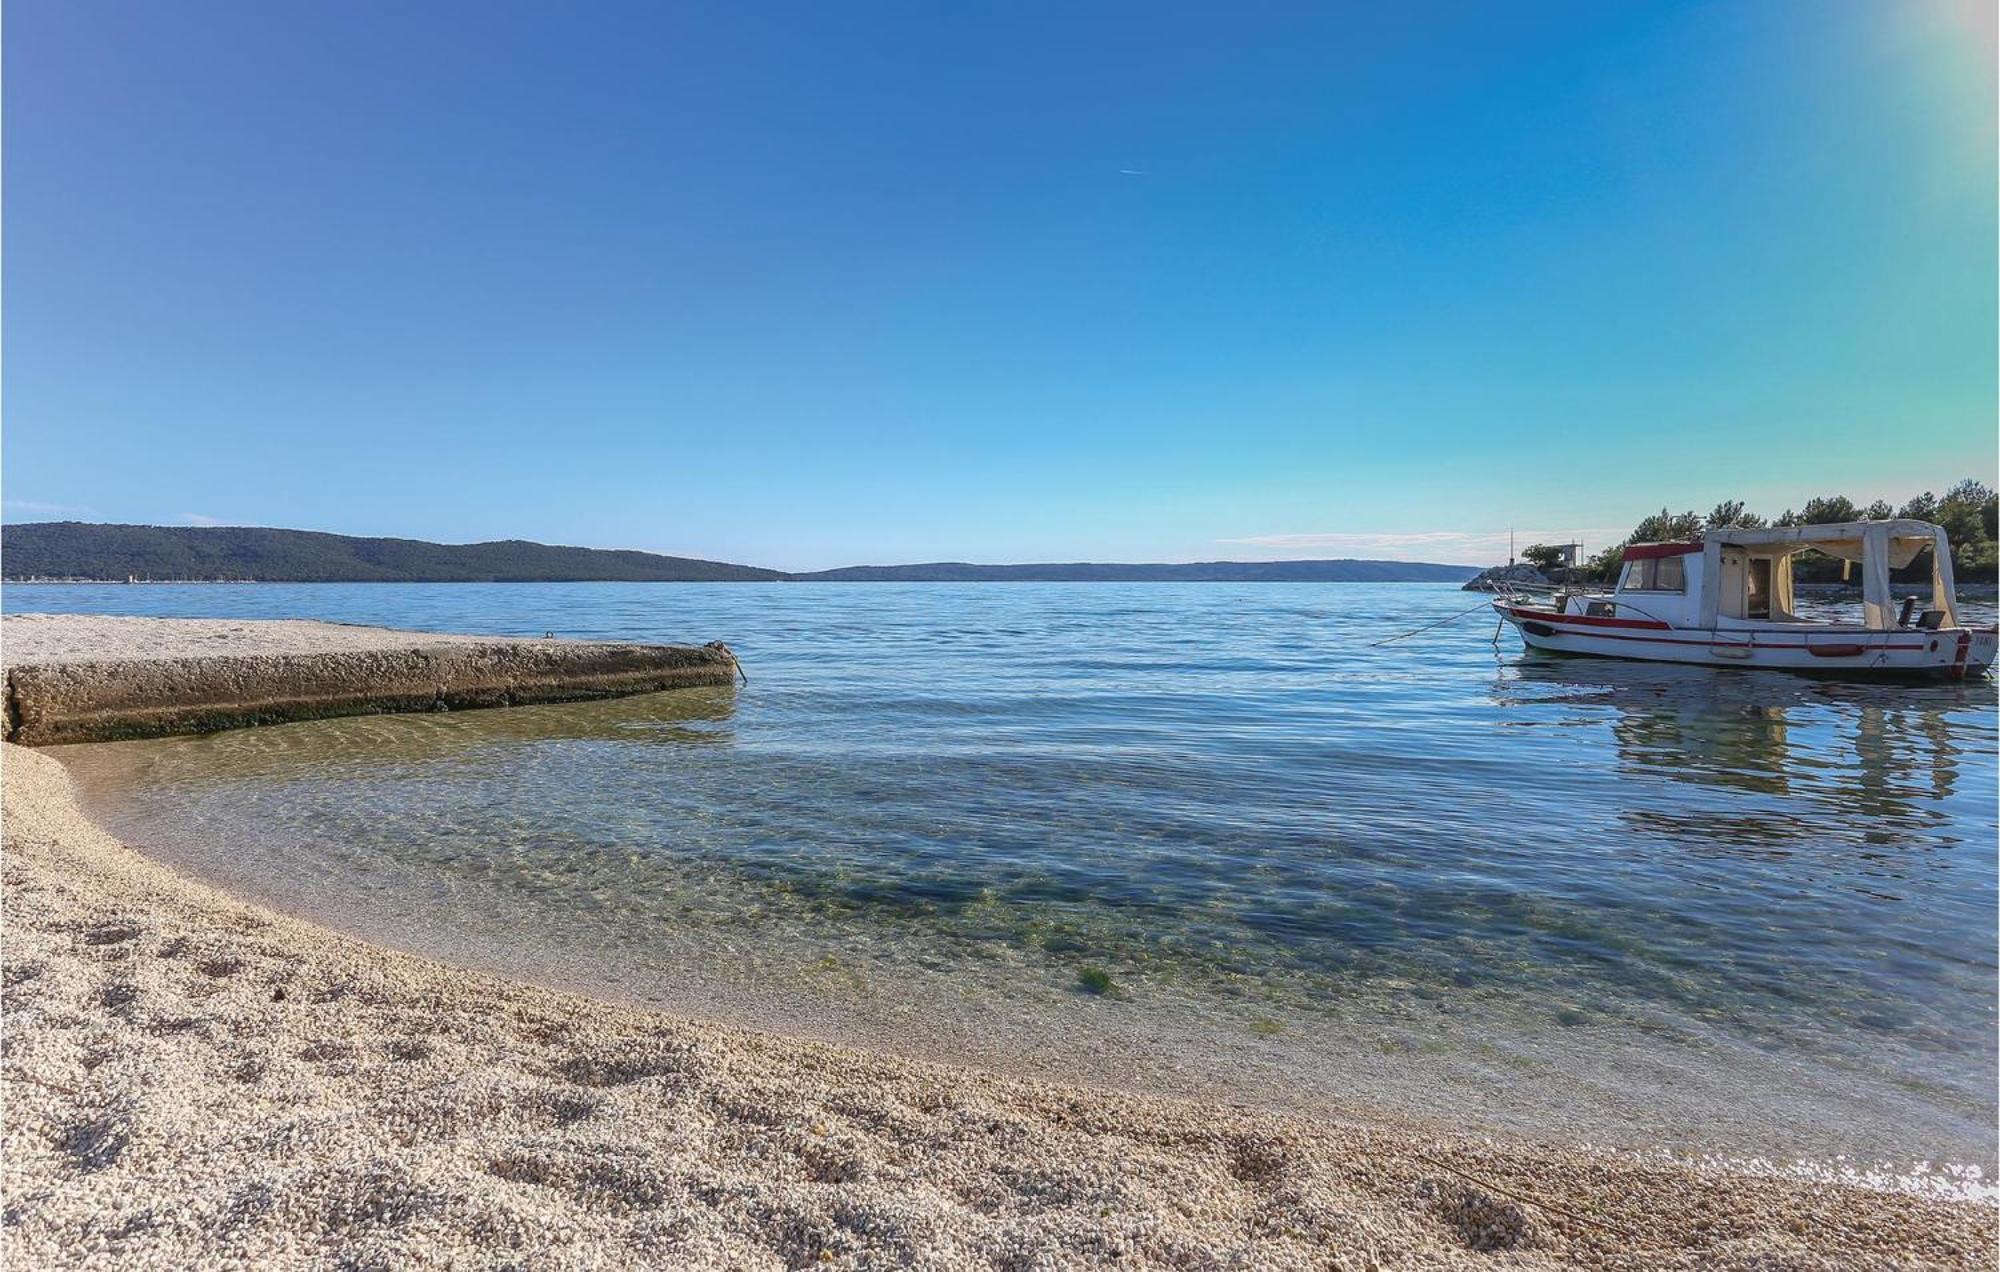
(193,1079)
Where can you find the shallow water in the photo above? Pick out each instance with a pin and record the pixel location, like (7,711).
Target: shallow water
(1722,911)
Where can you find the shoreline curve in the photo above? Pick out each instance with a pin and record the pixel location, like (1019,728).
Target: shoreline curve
(193,1077)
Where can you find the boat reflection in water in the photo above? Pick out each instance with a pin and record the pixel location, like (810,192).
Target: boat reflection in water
(1841,833)
(1887,760)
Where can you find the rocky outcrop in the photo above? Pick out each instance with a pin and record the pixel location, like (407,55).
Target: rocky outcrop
(1500,577)
(98,700)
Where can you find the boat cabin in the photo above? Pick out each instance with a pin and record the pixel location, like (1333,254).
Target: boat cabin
(1743,578)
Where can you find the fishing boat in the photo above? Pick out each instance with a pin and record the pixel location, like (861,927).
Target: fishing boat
(1726,600)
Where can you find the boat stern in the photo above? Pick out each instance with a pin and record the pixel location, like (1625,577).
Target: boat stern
(1977,650)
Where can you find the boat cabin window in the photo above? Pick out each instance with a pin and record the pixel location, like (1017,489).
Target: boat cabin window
(1656,574)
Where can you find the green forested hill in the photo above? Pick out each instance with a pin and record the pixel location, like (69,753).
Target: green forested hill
(84,550)
(74,549)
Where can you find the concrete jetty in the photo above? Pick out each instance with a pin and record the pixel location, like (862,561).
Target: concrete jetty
(91,678)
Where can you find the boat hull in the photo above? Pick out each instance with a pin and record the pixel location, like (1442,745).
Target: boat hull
(1953,653)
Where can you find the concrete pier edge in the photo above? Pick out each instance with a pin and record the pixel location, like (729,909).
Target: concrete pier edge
(112,699)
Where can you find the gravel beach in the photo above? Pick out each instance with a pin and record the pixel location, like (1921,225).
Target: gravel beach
(191,1079)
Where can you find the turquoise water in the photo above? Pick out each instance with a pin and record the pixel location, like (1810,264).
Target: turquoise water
(1726,911)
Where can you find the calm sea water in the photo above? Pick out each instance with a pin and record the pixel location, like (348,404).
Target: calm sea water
(1723,911)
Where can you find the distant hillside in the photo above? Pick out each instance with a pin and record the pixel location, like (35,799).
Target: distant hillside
(78,550)
(82,550)
(1340,571)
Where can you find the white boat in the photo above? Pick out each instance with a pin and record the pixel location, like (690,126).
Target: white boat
(1726,600)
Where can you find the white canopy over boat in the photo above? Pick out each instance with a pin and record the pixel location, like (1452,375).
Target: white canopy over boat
(1876,546)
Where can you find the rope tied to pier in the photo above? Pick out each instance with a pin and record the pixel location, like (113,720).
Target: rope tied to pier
(720,648)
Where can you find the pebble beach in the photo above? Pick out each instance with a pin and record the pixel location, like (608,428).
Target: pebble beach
(194,1080)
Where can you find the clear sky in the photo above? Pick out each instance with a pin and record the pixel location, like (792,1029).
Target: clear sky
(826,284)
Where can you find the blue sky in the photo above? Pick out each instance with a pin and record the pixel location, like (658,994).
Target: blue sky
(826,284)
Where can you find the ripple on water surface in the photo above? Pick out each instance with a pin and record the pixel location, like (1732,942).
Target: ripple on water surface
(1165,832)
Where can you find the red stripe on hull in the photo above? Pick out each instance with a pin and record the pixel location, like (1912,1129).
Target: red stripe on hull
(1707,643)
(1591,627)
(1586,620)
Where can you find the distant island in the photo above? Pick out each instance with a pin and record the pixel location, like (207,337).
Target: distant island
(77,550)
(1335,571)
(89,552)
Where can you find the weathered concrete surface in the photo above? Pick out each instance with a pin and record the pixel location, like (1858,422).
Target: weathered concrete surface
(134,692)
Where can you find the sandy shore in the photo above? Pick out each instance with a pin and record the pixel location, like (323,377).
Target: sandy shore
(73,638)
(193,1079)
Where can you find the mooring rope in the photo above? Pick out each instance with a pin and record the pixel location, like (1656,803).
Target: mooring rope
(1427,626)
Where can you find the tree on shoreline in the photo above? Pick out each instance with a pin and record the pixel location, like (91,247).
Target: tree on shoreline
(1969,513)
(1730,514)
(1543,556)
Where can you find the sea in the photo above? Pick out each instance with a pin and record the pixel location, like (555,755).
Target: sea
(1270,843)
